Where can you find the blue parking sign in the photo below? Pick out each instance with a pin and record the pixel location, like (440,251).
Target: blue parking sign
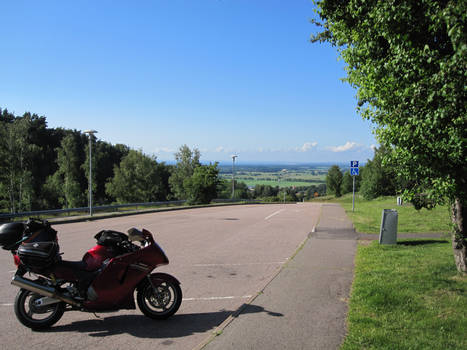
(354,163)
(354,171)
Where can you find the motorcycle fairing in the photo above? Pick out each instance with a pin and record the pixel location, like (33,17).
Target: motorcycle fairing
(115,285)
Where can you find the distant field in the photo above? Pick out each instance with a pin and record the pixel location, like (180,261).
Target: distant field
(287,183)
(282,176)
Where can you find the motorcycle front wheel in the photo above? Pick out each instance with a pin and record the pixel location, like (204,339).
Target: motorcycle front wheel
(159,302)
(33,315)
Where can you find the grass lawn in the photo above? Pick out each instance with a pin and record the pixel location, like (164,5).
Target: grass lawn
(407,296)
(367,215)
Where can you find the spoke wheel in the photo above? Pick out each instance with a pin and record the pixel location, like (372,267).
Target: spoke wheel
(159,302)
(31,314)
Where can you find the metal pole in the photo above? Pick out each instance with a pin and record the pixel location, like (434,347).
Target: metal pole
(353,198)
(233,176)
(283,171)
(90,175)
(90,132)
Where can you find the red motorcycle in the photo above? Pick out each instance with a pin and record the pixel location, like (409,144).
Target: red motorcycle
(104,280)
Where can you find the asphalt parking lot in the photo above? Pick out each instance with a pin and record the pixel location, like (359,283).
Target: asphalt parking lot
(223,256)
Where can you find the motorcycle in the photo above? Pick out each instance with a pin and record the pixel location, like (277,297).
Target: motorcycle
(106,278)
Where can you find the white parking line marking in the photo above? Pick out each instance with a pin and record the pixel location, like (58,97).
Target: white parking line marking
(243,264)
(275,213)
(9,304)
(216,298)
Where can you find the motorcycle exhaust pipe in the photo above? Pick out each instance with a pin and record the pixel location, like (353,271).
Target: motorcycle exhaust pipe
(42,290)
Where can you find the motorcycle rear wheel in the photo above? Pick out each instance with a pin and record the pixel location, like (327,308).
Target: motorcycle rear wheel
(160,302)
(34,316)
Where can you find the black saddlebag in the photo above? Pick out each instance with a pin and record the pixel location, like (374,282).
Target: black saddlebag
(38,255)
(11,234)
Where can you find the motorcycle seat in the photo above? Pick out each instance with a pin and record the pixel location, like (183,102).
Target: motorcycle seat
(74,265)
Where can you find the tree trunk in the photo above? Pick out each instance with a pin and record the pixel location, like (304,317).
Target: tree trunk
(459,236)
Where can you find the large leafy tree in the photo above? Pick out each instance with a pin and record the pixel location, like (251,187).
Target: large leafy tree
(408,61)
(18,153)
(201,187)
(187,162)
(105,158)
(377,179)
(137,179)
(68,182)
(334,180)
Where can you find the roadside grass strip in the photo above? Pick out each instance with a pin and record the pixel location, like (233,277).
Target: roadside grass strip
(367,215)
(407,296)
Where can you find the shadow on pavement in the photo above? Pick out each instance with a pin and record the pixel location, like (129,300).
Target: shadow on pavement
(253,309)
(143,327)
(422,242)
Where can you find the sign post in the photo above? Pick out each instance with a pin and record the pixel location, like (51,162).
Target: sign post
(354,172)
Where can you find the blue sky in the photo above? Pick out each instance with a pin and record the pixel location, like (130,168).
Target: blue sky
(225,76)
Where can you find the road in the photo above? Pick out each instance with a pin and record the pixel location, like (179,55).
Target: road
(221,255)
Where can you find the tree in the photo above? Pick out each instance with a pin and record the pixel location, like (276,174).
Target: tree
(334,181)
(18,153)
(201,187)
(137,179)
(69,181)
(378,179)
(225,190)
(347,183)
(187,161)
(408,62)
(105,158)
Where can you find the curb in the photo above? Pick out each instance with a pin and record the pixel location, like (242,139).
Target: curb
(219,329)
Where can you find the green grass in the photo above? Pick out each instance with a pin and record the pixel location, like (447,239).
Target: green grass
(407,296)
(367,215)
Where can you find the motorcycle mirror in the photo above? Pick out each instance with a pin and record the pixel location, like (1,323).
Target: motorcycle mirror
(135,235)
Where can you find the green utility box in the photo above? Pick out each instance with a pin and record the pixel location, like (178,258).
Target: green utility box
(388,231)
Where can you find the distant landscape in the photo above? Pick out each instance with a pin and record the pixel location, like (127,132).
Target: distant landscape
(281,175)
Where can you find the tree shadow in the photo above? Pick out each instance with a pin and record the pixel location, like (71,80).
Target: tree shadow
(422,242)
(140,326)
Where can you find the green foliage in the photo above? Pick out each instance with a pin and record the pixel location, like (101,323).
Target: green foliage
(378,179)
(201,187)
(18,151)
(264,191)
(187,161)
(105,158)
(334,180)
(69,177)
(408,61)
(137,179)
(225,190)
(347,183)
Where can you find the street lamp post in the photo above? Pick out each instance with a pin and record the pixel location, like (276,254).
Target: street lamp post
(283,171)
(233,175)
(91,133)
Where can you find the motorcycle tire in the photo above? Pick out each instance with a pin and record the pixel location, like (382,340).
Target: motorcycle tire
(161,302)
(33,316)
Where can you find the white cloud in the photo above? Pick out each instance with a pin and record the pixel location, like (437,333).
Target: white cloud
(164,150)
(307,146)
(347,147)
